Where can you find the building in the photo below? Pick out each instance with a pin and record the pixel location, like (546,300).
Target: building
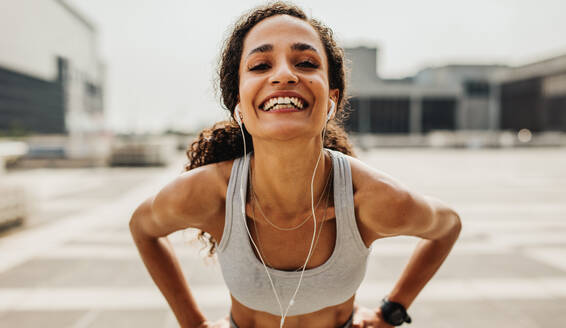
(51,77)
(453,97)
(533,96)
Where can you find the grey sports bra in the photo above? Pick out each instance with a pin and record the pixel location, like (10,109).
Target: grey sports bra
(331,283)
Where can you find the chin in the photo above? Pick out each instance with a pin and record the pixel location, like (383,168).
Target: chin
(283,131)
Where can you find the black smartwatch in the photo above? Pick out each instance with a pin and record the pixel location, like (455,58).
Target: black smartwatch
(394,313)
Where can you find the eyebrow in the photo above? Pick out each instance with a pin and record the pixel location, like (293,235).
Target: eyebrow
(303,47)
(299,46)
(262,48)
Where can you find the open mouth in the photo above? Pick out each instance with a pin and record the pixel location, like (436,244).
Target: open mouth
(276,103)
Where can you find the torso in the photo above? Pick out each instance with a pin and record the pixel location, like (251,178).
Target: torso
(272,242)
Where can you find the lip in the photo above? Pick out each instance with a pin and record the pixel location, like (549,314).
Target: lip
(285,94)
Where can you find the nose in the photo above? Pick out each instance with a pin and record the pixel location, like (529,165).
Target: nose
(283,74)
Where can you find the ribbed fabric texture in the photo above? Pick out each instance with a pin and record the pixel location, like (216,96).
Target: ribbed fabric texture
(331,283)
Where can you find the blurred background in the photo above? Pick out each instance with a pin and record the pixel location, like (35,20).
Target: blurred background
(464,101)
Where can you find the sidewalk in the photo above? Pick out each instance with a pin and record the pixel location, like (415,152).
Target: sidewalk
(508,269)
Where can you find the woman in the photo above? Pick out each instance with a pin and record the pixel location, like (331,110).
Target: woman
(292,222)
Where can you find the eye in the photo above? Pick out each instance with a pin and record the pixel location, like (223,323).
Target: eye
(259,67)
(307,64)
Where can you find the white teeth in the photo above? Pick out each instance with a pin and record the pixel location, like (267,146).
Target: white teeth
(297,102)
(282,102)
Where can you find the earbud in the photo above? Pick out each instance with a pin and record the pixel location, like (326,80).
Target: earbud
(237,115)
(331,111)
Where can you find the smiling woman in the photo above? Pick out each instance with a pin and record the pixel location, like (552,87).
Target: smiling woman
(278,196)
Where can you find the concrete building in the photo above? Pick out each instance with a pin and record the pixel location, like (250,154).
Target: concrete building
(533,96)
(453,97)
(51,77)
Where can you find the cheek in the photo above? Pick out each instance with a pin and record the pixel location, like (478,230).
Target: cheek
(318,85)
(316,80)
(249,85)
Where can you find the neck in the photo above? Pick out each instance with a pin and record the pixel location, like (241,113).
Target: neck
(281,177)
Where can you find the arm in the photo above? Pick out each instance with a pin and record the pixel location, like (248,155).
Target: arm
(439,227)
(178,206)
(384,208)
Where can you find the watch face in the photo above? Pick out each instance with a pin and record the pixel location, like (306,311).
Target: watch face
(396,317)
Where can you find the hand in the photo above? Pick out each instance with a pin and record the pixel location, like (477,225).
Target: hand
(222,323)
(367,318)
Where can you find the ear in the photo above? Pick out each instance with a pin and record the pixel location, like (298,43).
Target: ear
(334,94)
(236,107)
(237,115)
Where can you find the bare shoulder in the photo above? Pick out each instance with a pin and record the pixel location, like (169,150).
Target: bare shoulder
(384,206)
(371,183)
(193,199)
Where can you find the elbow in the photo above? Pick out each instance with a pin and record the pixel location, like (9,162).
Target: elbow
(456,224)
(139,220)
(133,224)
(450,223)
(135,218)
(135,227)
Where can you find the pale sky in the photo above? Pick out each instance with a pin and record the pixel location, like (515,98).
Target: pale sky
(161,56)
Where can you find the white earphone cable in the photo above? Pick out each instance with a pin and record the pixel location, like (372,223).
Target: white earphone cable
(243,201)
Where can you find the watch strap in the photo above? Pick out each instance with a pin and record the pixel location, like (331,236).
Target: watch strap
(394,313)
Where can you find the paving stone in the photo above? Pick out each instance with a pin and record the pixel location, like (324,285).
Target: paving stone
(97,272)
(138,319)
(35,319)
(468,266)
(459,315)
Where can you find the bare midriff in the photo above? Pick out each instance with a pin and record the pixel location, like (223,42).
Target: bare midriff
(332,316)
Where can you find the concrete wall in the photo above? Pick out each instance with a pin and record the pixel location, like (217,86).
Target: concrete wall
(51,77)
(33,33)
(533,96)
(30,105)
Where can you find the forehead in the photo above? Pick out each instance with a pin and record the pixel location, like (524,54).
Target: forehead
(282,30)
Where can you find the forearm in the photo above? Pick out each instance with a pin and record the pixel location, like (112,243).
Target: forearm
(163,266)
(424,262)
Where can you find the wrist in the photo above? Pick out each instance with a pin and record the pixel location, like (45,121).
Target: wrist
(197,320)
(204,324)
(402,297)
(393,313)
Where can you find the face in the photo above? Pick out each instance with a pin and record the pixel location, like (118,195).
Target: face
(284,87)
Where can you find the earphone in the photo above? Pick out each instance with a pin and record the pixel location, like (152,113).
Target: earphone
(331,111)
(238,118)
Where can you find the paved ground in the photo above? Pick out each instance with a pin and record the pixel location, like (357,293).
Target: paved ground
(76,267)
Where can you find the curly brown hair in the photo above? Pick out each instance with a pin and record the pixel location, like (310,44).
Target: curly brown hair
(223,141)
